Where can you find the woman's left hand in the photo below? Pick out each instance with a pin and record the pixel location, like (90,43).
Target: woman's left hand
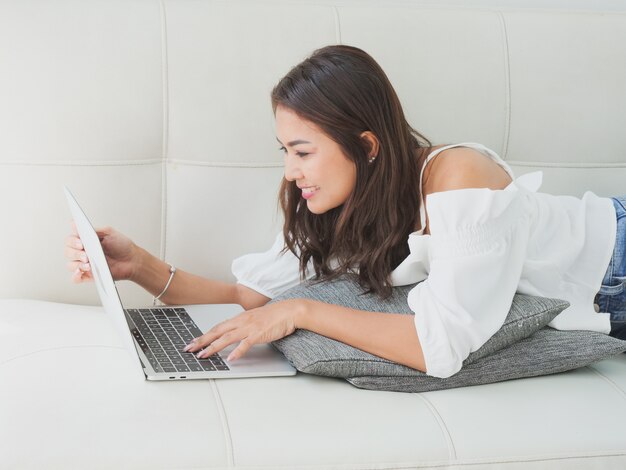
(259,325)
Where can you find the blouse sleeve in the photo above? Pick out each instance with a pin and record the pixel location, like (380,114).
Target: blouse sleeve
(477,249)
(269,273)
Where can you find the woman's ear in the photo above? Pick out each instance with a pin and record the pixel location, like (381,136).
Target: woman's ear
(372,142)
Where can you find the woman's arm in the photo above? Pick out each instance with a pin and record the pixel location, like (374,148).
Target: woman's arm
(387,335)
(391,336)
(186,288)
(128,261)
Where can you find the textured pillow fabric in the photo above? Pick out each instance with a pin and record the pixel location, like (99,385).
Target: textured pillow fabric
(546,352)
(316,354)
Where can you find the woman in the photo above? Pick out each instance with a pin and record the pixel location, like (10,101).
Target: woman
(355,180)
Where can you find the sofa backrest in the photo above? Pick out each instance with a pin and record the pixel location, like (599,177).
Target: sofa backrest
(156,114)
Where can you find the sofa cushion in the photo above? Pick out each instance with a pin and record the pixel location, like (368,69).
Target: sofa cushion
(316,354)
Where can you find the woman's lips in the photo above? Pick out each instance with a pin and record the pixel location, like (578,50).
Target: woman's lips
(309,192)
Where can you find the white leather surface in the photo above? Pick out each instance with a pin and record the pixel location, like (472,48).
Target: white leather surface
(604,181)
(217,236)
(36,221)
(223,60)
(448,67)
(173,96)
(70,398)
(579,75)
(77,76)
(69,387)
(524,417)
(157,115)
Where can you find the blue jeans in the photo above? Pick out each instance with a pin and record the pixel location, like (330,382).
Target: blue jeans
(611,297)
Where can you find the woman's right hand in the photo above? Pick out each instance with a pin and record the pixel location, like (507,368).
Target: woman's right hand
(121,253)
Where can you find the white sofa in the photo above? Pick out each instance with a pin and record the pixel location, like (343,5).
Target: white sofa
(157,115)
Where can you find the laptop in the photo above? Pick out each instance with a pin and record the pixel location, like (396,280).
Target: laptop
(155,336)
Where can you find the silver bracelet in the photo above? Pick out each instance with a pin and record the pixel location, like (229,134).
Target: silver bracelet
(169,281)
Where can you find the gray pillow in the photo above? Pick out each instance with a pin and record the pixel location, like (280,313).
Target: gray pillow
(548,351)
(316,354)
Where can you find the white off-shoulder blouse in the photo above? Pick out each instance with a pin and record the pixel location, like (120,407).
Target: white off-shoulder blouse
(484,246)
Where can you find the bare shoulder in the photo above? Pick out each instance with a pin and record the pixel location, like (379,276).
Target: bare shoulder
(462,168)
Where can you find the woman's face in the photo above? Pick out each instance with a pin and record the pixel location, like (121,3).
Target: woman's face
(325,176)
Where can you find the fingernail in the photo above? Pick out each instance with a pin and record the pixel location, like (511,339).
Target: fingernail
(86,267)
(230,358)
(188,347)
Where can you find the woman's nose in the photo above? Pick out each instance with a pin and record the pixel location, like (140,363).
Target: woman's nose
(292,168)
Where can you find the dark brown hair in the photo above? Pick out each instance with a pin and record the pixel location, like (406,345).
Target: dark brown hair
(343,91)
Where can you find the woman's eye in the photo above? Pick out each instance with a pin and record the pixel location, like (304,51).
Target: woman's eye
(299,154)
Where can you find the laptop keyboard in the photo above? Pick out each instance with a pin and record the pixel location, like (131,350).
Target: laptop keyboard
(162,333)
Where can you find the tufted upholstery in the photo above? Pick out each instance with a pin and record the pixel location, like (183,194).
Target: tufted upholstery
(156,114)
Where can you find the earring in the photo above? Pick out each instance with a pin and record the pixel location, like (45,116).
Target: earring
(371,159)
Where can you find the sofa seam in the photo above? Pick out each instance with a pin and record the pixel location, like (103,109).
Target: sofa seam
(573,165)
(83,164)
(230,451)
(442,426)
(466,8)
(435,464)
(337,24)
(227,164)
(165,129)
(547,458)
(507,85)
(58,348)
(557,165)
(608,380)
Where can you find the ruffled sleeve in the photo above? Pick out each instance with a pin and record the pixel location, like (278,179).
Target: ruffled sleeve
(269,273)
(477,249)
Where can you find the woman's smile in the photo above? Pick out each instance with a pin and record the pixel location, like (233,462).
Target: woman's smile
(309,192)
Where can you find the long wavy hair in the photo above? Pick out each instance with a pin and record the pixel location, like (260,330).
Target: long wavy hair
(343,91)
